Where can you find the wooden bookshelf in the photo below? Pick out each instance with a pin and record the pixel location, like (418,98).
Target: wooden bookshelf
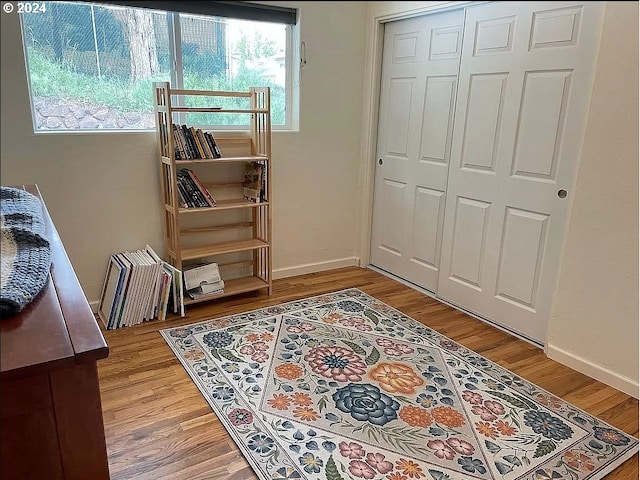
(236,232)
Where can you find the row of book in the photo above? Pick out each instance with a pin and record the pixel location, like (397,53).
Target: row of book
(139,286)
(192,193)
(194,144)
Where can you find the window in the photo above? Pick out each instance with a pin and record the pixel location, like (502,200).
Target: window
(91,66)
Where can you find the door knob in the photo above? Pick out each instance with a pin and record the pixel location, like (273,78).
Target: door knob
(562,193)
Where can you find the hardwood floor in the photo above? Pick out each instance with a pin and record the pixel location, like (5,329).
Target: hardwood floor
(158,425)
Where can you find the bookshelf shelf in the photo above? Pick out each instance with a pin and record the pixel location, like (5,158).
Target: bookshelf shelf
(217,110)
(233,287)
(224,205)
(230,230)
(223,247)
(251,158)
(209,93)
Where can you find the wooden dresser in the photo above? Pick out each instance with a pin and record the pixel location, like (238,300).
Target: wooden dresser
(50,411)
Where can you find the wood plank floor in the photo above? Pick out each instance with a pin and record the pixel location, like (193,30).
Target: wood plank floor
(158,425)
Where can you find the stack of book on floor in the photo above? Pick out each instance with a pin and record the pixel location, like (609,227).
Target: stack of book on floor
(139,286)
(203,280)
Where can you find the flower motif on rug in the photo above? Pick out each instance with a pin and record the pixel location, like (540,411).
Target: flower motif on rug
(342,386)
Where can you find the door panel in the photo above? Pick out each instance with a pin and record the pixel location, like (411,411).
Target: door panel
(418,90)
(446,41)
(541,125)
(436,119)
(425,243)
(555,27)
(468,245)
(393,199)
(524,88)
(482,120)
(520,260)
(401,90)
(494,35)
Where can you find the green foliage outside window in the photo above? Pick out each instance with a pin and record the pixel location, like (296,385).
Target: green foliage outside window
(77,53)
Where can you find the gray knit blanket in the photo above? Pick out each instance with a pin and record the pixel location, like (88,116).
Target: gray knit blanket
(26,253)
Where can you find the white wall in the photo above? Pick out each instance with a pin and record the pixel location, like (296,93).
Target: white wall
(594,322)
(102,189)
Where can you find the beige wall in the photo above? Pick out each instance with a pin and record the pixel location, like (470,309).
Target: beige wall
(102,189)
(594,324)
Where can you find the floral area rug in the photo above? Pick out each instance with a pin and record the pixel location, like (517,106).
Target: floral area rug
(343,386)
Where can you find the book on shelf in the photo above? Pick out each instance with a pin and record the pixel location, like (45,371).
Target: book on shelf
(204,190)
(188,143)
(263,187)
(182,195)
(253,181)
(205,290)
(194,198)
(213,145)
(208,154)
(192,190)
(204,144)
(137,288)
(203,280)
(199,150)
(178,144)
(192,143)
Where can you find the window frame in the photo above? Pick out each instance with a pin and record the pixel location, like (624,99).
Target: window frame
(176,73)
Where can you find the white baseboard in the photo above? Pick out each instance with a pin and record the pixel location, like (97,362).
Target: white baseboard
(314,267)
(602,374)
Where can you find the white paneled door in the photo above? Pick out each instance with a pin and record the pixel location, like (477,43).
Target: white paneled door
(524,86)
(525,83)
(419,79)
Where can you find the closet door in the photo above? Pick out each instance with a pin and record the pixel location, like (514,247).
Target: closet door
(418,89)
(524,90)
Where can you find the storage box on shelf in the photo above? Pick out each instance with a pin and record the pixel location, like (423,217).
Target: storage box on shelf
(236,232)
